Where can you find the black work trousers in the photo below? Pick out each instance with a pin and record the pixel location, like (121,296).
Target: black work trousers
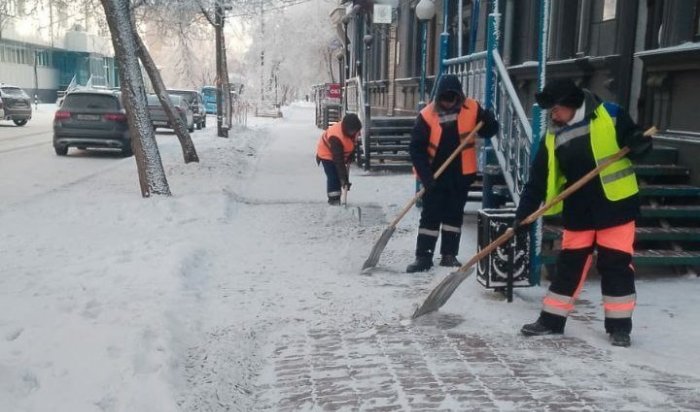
(442,215)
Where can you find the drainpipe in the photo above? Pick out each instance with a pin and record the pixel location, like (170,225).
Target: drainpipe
(461,27)
(538,127)
(508,32)
(444,38)
(488,200)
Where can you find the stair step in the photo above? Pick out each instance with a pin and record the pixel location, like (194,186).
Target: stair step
(661,155)
(391,138)
(669,190)
(398,167)
(396,130)
(645,170)
(393,121)
(388,147)
(649,257)
(688,212)
(391,156)
(641,233)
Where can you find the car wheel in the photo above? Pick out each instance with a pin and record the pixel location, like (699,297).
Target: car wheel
(61,150)
(199,125)
(20,122)
(191,128)
(127,152)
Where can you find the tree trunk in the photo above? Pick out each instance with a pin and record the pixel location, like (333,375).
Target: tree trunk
(219,36)
(227,84)
(148,162)
(189,153)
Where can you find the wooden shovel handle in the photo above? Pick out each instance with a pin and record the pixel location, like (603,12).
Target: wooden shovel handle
(464,143)
(561,196)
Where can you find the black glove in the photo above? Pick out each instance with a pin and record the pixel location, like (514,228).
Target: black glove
(519,227)
(428,184)
(346,186)
(639,145)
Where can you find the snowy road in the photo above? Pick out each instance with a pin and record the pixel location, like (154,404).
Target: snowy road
(243,292)
(30,168)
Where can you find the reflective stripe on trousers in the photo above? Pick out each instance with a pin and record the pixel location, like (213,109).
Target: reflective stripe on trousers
(615,249)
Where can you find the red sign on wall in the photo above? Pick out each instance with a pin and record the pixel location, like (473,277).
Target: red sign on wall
(333,90)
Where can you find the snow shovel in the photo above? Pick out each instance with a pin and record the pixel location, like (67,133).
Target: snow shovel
(344,199)
(356,211)
(379,246)
(444,290)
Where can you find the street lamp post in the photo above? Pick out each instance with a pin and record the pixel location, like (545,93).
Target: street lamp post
(425,10)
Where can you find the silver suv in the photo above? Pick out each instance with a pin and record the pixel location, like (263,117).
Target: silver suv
(194,99)
(15,104)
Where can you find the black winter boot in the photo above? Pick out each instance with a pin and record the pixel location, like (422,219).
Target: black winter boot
(620,339)
(421,264)
(450,261)
(538,329)
(334,201)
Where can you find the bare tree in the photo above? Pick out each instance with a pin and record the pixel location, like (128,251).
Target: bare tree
(150,167)
(188,150)
(6,14)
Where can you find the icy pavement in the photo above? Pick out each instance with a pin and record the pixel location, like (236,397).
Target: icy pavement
(243,292)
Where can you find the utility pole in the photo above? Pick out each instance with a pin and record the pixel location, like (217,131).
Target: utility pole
(220,76)
(262,57)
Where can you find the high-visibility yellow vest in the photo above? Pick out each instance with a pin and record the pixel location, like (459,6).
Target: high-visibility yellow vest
(618,179)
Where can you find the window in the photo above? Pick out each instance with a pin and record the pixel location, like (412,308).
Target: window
(609,9)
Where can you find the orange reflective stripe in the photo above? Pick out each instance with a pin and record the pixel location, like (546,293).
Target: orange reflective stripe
(584,274)
(618,237)
(556,303)
(619,306)
(578,239)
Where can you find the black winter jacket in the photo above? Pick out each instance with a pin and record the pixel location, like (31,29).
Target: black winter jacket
(587,208)
(452,177)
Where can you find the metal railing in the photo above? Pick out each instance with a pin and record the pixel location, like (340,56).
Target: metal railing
(355,103)
(471,71)
(512,143)
(514,140)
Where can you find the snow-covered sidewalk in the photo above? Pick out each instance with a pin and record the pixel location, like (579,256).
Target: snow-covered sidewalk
(243,292)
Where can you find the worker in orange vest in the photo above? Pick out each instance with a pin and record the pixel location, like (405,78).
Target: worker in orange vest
(438,130)
(335,150)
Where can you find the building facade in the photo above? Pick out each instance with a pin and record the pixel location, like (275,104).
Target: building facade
(644,55)
(44,44)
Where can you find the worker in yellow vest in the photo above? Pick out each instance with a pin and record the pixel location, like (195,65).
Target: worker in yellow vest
(438,131)
(582,132)
(335,150)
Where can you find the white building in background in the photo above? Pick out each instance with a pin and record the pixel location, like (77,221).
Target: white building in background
(45,43)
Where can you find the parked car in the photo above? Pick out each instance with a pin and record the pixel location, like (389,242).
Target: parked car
(209,96)
(91,119)
(15,104)
(196,103)
(160,119)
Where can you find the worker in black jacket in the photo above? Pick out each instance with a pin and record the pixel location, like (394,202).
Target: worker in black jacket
(583,132)
(436,134)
